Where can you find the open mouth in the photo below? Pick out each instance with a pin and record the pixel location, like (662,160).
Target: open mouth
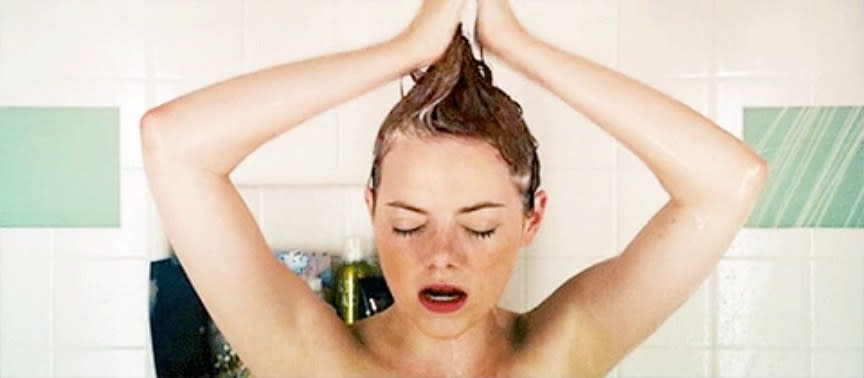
(442,298)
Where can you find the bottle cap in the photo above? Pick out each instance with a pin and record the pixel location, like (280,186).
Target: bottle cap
(314,283)
(354,249)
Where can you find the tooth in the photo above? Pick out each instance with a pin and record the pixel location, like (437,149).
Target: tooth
(441,297)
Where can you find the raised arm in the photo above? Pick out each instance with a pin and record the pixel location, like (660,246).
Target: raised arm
(713,180)
(217,126)
(190,144)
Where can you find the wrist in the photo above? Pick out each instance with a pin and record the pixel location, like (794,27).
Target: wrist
(509,43)
(408,49)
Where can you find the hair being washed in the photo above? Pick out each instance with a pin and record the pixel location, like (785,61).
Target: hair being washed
(455,96)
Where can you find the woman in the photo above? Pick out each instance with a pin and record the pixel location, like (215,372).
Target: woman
(447,217)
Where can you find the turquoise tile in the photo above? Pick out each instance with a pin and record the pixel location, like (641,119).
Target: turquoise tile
(59,167)
(816,156)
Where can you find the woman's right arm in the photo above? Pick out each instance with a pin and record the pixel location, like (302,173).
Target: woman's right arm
(275,323)
(216,127)
(266,312)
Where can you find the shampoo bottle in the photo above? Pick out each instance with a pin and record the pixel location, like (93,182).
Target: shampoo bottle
(347,291)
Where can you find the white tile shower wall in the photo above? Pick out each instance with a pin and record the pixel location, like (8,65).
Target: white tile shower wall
(782,303)
(25,302)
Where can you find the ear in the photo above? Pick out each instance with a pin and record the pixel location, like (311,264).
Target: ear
(370,201)
(532,223)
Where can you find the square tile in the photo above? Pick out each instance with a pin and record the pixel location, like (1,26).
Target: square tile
(763,303)
(765,37)
(103,302)
(38,38)
(770,242)
(59,167)
(666,362)
(100,363)
(566,139)
(838,317)
(848,242)
(578,220)
(360,119)
(308,153)
(838,363)
(278,32)
(668,37)
(762,363)
(26,361)
(25,288)
(587,28)
(306,217)
(838,77)
(359,24)
(817,171)
(198,41)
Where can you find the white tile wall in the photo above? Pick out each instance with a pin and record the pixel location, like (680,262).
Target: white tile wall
(763,363)
(763,303)
(655,362)
(665,38)
(101,363)
(783,302)
(25,302)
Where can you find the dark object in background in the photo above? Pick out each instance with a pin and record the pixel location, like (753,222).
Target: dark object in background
(178,323)
(374,295)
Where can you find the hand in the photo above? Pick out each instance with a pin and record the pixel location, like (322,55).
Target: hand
(433,28)
(497,25)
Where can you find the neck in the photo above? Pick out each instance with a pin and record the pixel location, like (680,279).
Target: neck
(482,346)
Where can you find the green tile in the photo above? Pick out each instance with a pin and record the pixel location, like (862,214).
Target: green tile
(59,167)
(816,156)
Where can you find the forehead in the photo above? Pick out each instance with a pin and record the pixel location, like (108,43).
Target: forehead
(444,170)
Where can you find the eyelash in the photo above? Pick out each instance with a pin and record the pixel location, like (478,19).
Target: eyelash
(409,233)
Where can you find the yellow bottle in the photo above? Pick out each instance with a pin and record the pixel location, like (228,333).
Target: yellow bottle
(347,292)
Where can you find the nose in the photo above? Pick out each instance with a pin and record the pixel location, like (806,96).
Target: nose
(443,252)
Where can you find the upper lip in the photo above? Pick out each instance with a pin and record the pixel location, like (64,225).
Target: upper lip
(443,287)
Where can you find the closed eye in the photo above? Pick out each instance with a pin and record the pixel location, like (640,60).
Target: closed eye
(482,234)
(407,233)
(479,234)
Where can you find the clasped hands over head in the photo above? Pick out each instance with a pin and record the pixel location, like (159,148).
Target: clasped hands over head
(432,28)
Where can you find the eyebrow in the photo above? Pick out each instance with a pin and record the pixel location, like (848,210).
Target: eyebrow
(466,209)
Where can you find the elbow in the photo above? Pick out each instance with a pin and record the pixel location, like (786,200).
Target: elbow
(151,130)
(747,186)
(754,178)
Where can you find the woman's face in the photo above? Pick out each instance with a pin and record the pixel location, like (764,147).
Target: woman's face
(448,212)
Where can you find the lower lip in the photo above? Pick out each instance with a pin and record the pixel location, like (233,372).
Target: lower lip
(443,307)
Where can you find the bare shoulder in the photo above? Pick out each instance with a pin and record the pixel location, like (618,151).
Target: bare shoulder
(556,341)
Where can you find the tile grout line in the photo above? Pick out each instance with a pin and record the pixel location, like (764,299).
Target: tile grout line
(811,307)
(244,9)
(616,217)
(52,267)
(1,293)
(713,301)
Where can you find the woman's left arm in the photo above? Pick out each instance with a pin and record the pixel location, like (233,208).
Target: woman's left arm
(695,160)
(713,180)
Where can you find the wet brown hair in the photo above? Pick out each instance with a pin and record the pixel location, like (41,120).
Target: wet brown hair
(455,96)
